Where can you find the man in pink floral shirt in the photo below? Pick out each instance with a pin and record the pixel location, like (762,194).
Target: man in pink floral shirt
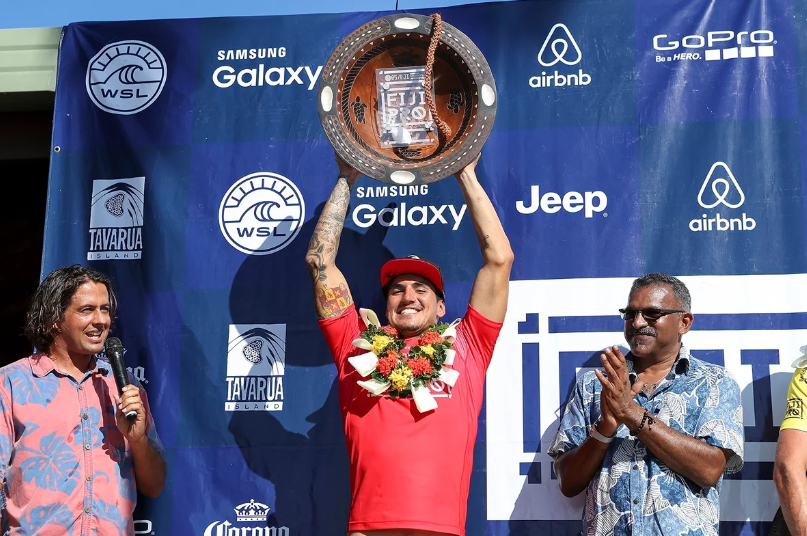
(70,461)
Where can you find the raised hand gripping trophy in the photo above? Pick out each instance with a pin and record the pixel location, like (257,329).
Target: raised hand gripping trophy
(407,99)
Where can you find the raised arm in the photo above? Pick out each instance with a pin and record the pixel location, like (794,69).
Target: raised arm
(489,293)
(331,293)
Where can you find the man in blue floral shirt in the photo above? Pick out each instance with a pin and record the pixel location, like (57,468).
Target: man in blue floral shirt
(651,435)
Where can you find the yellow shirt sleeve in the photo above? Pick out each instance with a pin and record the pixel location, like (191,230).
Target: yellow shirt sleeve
(795,415)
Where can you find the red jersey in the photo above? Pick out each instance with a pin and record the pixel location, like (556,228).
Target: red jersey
(411,470)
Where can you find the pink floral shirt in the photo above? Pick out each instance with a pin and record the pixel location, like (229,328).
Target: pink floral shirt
(64,465)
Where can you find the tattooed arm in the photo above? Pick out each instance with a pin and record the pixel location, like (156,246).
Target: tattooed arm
(331,293)
(489,293)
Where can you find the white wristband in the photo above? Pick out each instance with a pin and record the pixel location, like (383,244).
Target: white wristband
(599,437)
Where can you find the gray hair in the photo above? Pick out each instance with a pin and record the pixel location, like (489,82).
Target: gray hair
(678,287)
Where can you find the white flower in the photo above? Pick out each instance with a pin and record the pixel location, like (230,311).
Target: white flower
(363,344)
(374,386)
(364,363)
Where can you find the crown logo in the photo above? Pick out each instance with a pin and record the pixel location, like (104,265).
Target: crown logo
(251,511)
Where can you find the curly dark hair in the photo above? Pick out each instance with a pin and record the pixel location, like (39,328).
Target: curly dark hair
(52,298)
(679,289)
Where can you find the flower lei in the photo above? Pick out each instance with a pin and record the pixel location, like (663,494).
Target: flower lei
(392,366)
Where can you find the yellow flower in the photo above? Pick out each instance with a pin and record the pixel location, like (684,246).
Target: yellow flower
(380,342)
(400,378)
(428,350)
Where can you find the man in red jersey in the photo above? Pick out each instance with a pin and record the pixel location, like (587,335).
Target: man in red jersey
(410,470)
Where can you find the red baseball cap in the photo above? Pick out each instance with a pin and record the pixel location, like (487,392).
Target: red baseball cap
(412,264)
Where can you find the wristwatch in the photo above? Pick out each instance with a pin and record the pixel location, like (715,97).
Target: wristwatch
(598,436)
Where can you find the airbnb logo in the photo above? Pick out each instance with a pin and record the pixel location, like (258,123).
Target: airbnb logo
(560,43)
(721,188)
(560,48)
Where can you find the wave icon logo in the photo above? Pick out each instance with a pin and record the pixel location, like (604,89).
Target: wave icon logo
(126,77)
(722,180)
(117,203)
(560,43)
(256,363)
(256,350)
(261,213)
(116,219)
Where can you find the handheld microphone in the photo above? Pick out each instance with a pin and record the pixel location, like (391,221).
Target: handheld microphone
(114,352)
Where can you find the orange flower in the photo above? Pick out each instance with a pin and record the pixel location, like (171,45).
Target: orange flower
(430,337)
(386,364)
(389,330)
(419,366)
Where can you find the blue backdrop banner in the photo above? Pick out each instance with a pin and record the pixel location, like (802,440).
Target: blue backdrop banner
(631,136)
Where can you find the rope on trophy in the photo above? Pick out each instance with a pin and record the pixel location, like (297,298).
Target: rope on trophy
(437,29)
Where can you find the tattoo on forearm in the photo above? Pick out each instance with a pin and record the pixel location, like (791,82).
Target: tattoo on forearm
(332,301)
(483,243)
(324,241)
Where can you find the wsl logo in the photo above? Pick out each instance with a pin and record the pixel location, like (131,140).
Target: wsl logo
(721,188)
(126,77)
(251,512)
(261,213)
(256,363)
(560,47)
(116,219)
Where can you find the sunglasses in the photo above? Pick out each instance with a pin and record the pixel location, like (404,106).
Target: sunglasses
(650,315)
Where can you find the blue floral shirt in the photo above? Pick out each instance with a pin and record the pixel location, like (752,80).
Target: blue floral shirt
(634,492)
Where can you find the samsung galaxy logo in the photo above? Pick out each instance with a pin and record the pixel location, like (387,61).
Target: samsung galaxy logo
(391,191)
(251,53)
(226,76)
(403,215)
